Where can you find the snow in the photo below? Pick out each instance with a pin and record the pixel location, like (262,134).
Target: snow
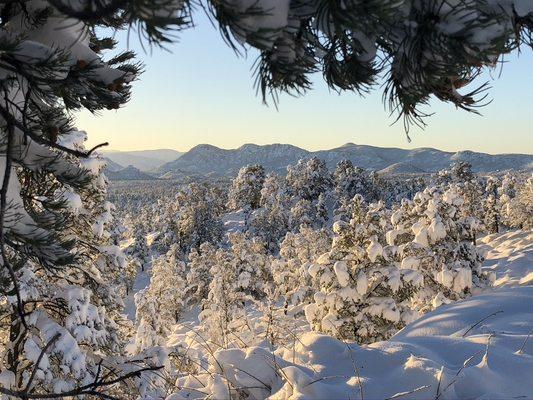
(234,221)
(341,271)
(476,348)
(510,256)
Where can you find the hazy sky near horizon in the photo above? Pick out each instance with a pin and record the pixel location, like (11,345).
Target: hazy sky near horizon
(201,92)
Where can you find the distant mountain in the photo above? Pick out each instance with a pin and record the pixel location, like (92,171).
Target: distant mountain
(144,160)
(206,159)
(112,166)
(130,173)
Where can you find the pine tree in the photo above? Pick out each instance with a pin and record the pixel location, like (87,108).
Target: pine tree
(519,210)
(159,306)
(361,294)
(471,191)
(223,310)
(302,214)
(140,248)
(308,179)
(433,238)
(491,205)
(297,252)
(59,270)
(200,262)
(252,265)
(322,213)
(199,209)
(246,188)
(272,221)
(349,181)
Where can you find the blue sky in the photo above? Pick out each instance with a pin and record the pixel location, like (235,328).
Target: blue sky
(201,92)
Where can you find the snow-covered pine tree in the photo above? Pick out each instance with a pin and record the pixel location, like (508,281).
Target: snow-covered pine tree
(302,214)
(223,313)
(246,188)
(60,303)
(471,191)
(519,210)
(252,265)
(140,250)
(321,211)
(491,205)
(159,306)
(433,238)
(360,293)
(297,252)
(349,180)
(271,221)
(199,209)
(308,179)
(200,262)
(133,266)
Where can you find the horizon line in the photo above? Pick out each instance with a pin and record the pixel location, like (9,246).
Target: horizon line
(110,150)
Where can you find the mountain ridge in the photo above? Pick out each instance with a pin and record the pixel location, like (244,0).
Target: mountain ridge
(144,160)
(207,159)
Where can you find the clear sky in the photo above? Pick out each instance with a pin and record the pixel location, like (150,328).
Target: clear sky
(201,92)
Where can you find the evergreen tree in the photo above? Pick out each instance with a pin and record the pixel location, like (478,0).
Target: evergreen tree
(519,210)
(361,294)
(140,248)
(271,222)
(433,237)
(59,270)
(302,214)
(199,209)
(491,206)
(349,181)
(308,179)
(199,265)
(297,252)
(159,306)
(246,188)
(252,265)
(223,310)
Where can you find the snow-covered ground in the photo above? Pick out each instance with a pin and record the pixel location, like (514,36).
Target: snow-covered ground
(478,348)
(510,255)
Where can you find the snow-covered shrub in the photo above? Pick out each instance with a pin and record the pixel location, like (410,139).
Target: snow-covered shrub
(361,294)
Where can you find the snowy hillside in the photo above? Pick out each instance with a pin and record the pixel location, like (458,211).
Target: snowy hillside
(128,174)
(112,165)
(477,348)
(208,159)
